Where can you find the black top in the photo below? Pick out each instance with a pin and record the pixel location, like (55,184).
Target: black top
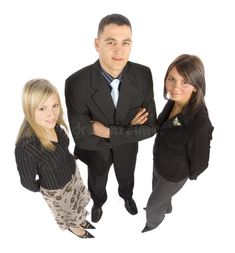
(53,168)
(182,145)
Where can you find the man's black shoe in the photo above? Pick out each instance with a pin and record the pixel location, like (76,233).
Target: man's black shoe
(131,206)
(96,213)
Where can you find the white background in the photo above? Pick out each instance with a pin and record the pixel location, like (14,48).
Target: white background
(53,39)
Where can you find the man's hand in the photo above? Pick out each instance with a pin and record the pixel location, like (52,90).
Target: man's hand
(140,118)
(104,132)
(100,130)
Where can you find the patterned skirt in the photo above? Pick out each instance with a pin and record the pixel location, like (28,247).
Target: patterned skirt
(68,204)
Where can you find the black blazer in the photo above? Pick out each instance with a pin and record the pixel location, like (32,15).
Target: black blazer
(88,98)
(182,144)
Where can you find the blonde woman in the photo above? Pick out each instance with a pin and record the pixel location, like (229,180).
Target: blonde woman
(44,161)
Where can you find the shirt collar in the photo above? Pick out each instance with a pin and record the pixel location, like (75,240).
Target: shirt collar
(110,78)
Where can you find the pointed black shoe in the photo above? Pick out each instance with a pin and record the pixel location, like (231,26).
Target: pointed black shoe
(84,236)
(131,206)
(87,225)
(96,213)
(146,229)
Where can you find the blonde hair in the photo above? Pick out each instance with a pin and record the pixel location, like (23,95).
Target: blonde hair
(36,92)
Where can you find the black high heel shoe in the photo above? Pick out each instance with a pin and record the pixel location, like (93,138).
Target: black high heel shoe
(85,235)
(87,225)
(146,229)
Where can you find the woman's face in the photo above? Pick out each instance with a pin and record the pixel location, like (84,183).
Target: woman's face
(47,114)
(177,88)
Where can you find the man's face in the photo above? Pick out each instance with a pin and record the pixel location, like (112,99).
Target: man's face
(114,47)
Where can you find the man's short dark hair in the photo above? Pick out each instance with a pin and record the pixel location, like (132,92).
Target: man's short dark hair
(116,19)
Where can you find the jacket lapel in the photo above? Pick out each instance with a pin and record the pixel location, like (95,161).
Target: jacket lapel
(101,95)
(164,115)
(127,91)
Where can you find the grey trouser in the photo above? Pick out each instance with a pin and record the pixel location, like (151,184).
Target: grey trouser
(159,202)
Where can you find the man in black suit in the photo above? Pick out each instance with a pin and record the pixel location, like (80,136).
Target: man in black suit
(107,122)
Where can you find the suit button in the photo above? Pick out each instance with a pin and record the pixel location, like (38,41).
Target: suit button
(160,133)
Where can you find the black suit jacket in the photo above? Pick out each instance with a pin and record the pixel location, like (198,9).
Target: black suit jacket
(182,145)
(88,98)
